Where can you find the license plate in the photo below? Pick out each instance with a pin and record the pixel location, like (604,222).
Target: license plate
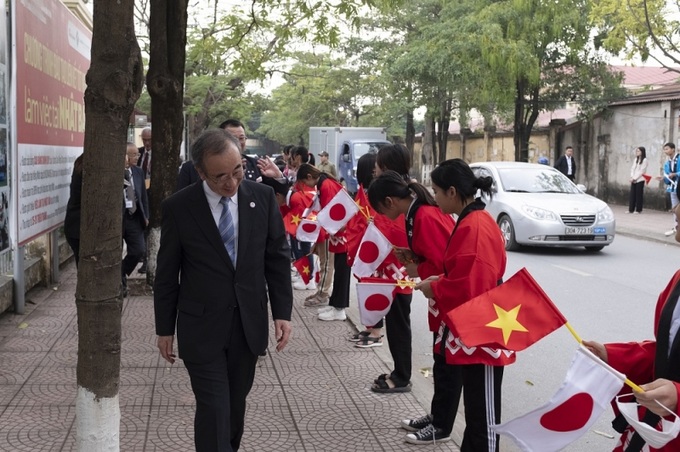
(578,231)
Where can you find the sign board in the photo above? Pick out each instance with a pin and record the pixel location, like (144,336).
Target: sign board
(51,55)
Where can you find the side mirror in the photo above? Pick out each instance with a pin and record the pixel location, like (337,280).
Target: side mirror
(346,158)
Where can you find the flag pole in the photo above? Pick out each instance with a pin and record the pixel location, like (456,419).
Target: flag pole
(580,341)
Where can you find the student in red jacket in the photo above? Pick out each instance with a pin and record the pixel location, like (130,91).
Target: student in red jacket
(327,187)
(654,362)
(474,263)
(428,230)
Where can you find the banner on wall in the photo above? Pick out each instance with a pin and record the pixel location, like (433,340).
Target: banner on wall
(51,55)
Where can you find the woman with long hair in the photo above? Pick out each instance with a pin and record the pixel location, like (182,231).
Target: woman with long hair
(637,181)
(474,263)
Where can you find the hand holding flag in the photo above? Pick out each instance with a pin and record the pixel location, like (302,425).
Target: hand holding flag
(511,316)
(586,392)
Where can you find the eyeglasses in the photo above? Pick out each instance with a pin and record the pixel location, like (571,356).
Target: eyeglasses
(222,178)
(133,155)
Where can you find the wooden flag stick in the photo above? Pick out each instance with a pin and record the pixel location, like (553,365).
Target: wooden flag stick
(580,341)
(403,283)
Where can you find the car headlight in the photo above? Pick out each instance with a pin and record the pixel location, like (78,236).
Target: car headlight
(605,214)
(538,213)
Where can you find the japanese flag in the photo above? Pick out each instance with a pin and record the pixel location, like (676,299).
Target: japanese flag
(589,387)
(375,299)
(335,215)
(373,250)
(308,230)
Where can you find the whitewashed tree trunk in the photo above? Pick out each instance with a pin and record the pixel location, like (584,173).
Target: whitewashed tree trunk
(114,82)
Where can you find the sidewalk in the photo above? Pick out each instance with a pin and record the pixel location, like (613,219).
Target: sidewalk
(314,396)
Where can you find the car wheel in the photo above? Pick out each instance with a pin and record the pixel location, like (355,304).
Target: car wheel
(595,249)
(508,230)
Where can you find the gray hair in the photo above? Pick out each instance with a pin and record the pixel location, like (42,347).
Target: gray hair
(212,142)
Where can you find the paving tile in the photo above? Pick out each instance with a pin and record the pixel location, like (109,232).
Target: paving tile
(16,367)
(42,428)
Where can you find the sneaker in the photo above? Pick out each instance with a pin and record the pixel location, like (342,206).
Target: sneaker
(324,309)
(333,314)
(669,232)
(369,342)
(309,297)
(315,302)
(413,425)
(427,435)
(300,285)
(636,213)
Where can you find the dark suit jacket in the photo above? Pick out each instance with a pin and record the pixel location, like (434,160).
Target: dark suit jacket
(561,165)
(72,218)
(197,287)
(140,160)
(187,175)
(140,191)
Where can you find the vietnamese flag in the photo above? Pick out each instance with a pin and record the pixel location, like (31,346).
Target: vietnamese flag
(304,268)
(339,210)
(511,316)
(647,178)
(588,388)
(291,222)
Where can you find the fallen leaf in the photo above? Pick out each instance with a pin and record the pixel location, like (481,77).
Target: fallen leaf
(23,325)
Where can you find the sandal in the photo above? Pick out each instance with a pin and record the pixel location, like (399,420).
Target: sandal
(369,341)
(382,377)
(383,387)
(359,336)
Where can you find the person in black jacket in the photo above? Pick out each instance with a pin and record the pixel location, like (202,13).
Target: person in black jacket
(566,164)
(72,219)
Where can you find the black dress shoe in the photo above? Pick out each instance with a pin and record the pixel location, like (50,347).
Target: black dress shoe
(142,269)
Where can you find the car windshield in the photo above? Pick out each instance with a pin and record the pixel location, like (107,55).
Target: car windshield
(361,149)
(535,180)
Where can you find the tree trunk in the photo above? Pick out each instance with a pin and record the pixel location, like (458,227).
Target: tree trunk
(525,118)
(114,82)
(165,82)
(443,133)
(410,137)
(428,146)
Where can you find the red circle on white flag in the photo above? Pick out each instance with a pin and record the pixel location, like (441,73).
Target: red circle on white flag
(309,227)
(377,302)
(571,415)
(337,212)
(369,252)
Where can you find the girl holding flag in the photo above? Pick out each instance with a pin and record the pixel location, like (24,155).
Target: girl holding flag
(428,230)
(474,263)
(327,188)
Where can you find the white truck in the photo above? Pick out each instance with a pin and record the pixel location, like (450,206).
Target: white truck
(345,145)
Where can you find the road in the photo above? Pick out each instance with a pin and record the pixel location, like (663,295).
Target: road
(607,296)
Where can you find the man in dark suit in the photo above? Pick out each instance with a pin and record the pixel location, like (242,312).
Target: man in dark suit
(144,159)
(566,164)
(223,252)
(135,213)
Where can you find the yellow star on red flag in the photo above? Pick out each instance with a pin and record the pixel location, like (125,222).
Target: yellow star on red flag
(295,219)
(507,321)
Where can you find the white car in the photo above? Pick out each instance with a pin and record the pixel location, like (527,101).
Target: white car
(536,205)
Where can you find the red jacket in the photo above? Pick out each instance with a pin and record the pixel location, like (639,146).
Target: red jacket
(474,262)
(431,231)
(636,360)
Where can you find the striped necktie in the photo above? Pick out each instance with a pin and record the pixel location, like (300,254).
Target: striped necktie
(226,228)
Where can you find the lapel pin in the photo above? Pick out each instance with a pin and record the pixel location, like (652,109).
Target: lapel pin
(252,205)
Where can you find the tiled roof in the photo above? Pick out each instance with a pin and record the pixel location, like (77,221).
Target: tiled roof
(637,77)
